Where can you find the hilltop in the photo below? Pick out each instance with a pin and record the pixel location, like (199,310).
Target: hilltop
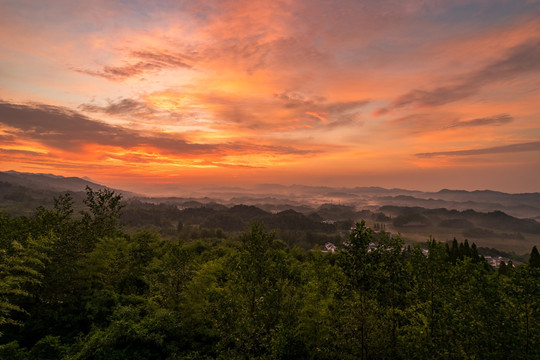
(304,215)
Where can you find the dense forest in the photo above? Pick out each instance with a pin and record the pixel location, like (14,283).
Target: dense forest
(78,285)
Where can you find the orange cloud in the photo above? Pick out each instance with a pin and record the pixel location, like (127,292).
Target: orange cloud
(294,90)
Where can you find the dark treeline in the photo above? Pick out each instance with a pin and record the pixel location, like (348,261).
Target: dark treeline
(468,220)
(76,286)
(214,220)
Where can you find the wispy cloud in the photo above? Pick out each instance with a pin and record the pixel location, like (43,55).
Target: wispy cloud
(529,146)
(142,61)
(117,107)
(71,131)
(247,54)
(437,122)
(522,59)
(490,120)
(242,113)
(22,153)
(326,113)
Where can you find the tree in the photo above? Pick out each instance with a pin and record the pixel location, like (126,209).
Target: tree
(102,219)
(453,251)
(424,334)
(256,312)
(58,308)
(390,284)
(356,321)
(320,304)
(534,259)
(503,269)
(354,254)
(524,298)
(20,268)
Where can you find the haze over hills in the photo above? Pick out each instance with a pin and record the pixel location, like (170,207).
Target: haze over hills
(49,181)
(274,197)
(21,193)
(491,219)
(525,205)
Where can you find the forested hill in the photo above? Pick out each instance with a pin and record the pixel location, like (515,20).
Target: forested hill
(21,193)
(78,286)
(304,225)
(467,219)
(300,198)
(47,181)
(331,222)
(293,227)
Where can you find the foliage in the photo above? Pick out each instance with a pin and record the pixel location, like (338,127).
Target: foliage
(534,259)
(81,287)
(101,218)
(20,269)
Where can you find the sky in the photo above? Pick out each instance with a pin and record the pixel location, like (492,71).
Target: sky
(145,95)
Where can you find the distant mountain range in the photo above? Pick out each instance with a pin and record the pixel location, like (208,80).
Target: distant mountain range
(305,198)
(21,193)
(302,198)
(47,181)
(492,219)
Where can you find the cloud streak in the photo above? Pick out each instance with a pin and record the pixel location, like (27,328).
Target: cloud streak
(513,148)
(145,61)
(491,120)
(247,54)
(71,131)
(327,113)
(119,107)
(520,60)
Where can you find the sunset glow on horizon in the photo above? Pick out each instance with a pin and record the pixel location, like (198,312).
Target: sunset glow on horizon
(413,94)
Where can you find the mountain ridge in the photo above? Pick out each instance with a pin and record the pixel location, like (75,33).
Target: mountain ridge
(278,197)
